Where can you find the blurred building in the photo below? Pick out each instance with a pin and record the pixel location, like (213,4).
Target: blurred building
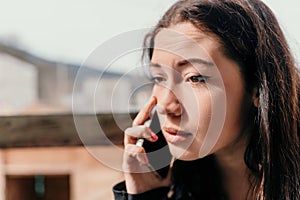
(56,173)
(30,84)
(42,158)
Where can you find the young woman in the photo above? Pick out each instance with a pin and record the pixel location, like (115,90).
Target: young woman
(254,154)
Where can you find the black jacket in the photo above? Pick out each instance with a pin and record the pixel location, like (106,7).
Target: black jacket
(191,180)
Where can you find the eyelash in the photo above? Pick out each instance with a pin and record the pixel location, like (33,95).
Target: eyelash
(198,79)
(157,79)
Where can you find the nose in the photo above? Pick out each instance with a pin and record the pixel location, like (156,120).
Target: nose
(168,103)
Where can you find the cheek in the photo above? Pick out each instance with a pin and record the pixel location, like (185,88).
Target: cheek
(198,107)
(210,122)
(234,119)
(235,98)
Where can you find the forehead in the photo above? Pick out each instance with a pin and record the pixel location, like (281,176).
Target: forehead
(185,40)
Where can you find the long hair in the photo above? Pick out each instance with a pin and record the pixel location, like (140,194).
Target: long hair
(250,35)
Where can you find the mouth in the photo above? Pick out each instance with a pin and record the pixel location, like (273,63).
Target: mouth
(174,135)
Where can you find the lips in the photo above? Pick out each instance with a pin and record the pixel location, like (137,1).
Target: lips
(174,135)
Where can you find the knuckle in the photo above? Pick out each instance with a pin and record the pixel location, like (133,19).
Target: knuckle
(133,149)
(132,131)
(127,131)
(144,129)
(137,131)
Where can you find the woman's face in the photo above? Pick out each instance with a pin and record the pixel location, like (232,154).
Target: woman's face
(200,93)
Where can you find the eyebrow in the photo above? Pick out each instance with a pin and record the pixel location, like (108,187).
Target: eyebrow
(187,61)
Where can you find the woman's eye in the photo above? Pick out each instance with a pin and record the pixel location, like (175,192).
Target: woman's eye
(198,79)
(157,79)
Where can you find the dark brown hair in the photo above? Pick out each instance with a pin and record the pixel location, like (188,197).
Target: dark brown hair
(251,36)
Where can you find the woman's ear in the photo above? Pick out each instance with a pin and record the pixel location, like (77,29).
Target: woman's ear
(255,97)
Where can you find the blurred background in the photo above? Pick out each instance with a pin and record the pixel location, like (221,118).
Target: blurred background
(43,46)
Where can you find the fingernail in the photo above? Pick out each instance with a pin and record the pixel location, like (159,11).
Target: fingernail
(154,136)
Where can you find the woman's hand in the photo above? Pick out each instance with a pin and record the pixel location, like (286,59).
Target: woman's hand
(138,177)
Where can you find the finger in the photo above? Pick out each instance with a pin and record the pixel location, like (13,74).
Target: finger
(141,132)
(136,132)
(135,159)
(144,114)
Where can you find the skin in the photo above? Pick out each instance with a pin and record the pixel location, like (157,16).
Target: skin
(211,91)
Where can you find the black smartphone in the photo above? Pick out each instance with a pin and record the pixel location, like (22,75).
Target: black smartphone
(158,152)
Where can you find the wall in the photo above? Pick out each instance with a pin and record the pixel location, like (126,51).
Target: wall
(89,179)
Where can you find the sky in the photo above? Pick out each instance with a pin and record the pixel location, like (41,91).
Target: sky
(69,30)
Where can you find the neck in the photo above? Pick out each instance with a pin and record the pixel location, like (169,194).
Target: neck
(234,170)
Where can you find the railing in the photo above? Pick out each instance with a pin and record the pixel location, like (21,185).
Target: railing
(60,130)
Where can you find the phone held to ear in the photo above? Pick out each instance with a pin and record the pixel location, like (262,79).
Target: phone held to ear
(158,152)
